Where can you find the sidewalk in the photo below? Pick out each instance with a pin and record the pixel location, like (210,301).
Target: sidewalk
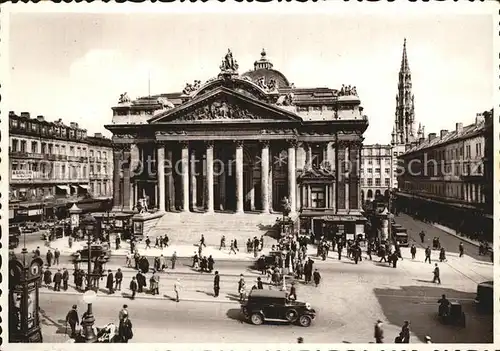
(455,234)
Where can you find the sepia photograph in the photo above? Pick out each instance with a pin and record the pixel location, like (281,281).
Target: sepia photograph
(244,177)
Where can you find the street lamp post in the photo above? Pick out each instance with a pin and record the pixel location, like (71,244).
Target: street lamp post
(88,319)
(89,223)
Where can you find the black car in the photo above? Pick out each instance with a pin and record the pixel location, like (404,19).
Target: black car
(96,251)
(272,305)
(484,296)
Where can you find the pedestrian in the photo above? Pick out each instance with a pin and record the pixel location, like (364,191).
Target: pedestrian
(235,242)
(316,277)
(461,249)
(232,247)
(339,250)
(379,332)
(57,280)
(133,287)
(428,254)
(222,242)
(413,251)
(65,278)
(395,258)
(293,292)
(369,249)
(157,263)
(422,236)
(202,241)
(156,283)
(405,333)
(216,284)
(300,340)
(436,275)
(73,320)
(49,257)
(177,289)
(37,251)
(210,263)
(110,282)
(123,312)
(260,286)
(125,329)
(165,240)
(442,255)
(118,279)
(70,241)
(57,254)
(148,243)
(174,259)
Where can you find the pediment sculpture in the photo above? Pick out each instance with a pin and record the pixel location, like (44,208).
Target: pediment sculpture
(218,110)
(165,103)
(191,88)
(267,86)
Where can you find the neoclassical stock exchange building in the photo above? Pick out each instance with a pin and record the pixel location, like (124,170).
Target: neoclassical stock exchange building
(241,143)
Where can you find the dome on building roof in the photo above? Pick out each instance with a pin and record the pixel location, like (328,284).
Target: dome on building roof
(263,68)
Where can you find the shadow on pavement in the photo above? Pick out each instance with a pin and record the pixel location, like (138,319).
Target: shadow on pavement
(235,314)
(211,294)
(418,304)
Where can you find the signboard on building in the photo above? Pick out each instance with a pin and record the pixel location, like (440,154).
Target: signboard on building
(19,174)
(35,212)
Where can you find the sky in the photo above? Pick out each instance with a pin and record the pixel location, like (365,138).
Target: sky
(75,66)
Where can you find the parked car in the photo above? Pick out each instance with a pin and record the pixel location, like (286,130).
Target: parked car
(14,234)
(29,227)
(484,297)
(271,305)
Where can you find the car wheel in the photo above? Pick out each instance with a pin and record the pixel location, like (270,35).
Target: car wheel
(305,320)
(291,315)
(256,319)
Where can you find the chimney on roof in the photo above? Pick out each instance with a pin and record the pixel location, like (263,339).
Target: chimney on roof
(459,127)
(40,118)
(432,136)
(443,133)
(25,114)
(98,135)
(420,140)
(479,118)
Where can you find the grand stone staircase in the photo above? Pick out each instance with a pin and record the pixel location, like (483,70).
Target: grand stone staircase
(186,228)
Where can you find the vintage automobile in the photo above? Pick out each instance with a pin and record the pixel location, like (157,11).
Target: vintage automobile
(272,305)
(14,234)
(101,250)
(484,297)
(454,315)
(400,236)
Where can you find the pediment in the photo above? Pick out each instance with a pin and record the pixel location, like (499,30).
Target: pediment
(224,105)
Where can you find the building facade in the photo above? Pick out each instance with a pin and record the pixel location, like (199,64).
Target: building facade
(445,179)
(51,165)
(377,171)
(242,143)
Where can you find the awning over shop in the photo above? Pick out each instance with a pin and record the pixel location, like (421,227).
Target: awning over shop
(83,186)
(63,187)
(336,218)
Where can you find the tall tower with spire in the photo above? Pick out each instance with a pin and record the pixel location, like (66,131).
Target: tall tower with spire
(404,125)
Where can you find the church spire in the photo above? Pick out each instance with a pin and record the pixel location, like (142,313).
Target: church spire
(404,123)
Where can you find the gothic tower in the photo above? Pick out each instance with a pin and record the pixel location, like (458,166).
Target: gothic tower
(404,124)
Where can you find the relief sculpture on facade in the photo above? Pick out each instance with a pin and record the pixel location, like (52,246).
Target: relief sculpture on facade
(218,110)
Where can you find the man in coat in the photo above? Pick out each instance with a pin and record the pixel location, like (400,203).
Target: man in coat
(436,278)
(65,278)
(49,257)
(118,279)
(428,254)
(413,251)
(405,333)
(57,254)
(379,332)
(316,277)
(73,320)
(133,287)
(461,249)
(125,329)
(216,284)
(110,282)
(174,259)
(57,280)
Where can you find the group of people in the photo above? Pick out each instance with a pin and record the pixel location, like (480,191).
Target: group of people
(402,338)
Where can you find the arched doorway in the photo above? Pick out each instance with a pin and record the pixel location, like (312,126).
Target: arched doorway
(377,193)
(369,194)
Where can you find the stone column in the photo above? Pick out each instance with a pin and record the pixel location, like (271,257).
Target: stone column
(126,178)
(347,178)
(354,152)
(340,176)
(292,176)
(192,178)
(160,165)
(169,183)
(264,164)
(327,196)
(210,176)
(117,157)
(309,156)
(185,176)
(239,177)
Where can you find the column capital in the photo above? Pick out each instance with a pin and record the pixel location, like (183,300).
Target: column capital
(292,143)
(184,144)
(264,143)
(209,144)
(239,143)
(119,147)
(160,143)
(356,144)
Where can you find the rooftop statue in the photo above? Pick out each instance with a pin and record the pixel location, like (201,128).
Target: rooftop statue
(190,88)
(348,91)
(123,98)
(228,63)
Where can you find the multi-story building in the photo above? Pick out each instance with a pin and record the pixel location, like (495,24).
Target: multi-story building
(403,132)
(443,179)
(51,166)
(376,171)
(243,143)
